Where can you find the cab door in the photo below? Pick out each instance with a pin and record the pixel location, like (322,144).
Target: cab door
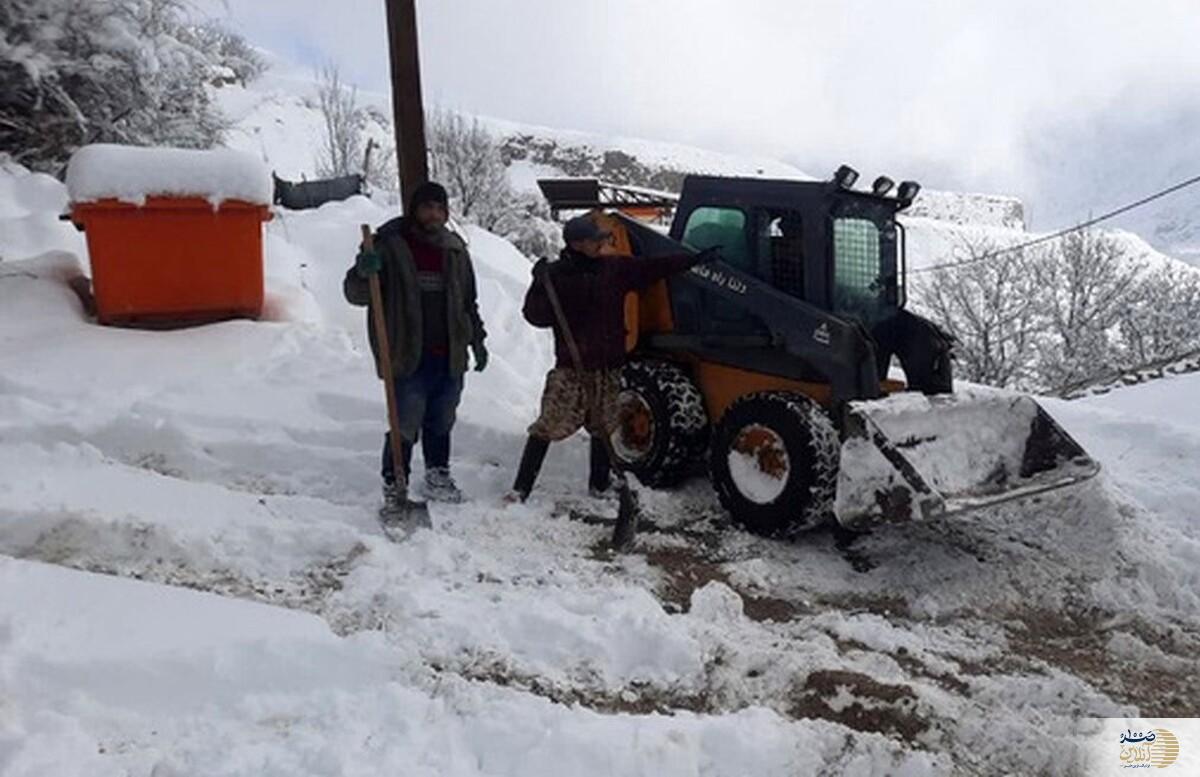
(725,227)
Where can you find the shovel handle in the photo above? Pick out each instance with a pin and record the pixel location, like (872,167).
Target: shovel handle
(379,322)
(561,317)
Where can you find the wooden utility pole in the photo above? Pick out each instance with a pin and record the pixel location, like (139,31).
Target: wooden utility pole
(407,107)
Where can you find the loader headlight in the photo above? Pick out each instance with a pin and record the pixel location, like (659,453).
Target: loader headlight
(845,177)
(908,192)
(882,186)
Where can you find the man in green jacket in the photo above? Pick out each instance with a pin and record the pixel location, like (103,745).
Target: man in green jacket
(428,289)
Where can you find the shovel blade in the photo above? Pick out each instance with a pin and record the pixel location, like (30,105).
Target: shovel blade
(403,519)
(912,457)
(629,514)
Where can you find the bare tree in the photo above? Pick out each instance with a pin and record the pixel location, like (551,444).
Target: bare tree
(342,150)
(466,159)
(1161,318)
(380,166)
(989,304)
(1087,282)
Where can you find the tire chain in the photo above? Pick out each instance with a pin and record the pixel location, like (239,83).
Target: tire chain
(825,450)
(688,420)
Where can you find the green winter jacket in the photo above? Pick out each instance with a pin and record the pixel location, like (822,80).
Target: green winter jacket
(402,300)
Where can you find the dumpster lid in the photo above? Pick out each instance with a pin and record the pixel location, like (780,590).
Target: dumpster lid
(131,174)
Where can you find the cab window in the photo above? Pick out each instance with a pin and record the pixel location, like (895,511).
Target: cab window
(858,286)
(780,239)
(725,227)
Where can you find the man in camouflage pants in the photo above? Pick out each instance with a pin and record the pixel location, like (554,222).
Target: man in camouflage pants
(591,284)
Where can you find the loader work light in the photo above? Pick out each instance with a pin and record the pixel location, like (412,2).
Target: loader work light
(908,192)
(882,186)
(845,177)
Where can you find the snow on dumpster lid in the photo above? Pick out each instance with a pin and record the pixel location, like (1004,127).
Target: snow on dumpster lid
(131,174)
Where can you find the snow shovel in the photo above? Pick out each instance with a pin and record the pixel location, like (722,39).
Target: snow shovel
(628,512)
(915,458)
(409,512)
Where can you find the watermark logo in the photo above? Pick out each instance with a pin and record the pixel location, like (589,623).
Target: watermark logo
(1115,746)
(1155,748)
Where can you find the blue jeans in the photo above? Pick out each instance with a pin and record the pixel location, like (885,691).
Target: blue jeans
(427,401)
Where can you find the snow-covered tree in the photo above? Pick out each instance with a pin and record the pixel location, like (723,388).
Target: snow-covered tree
(528,225)
(1063,316)
(468,160)
(465,158)
(1086,282)
(989,304)
(382,170)
(1161,319)
(345,122)
(230,52)
(124,71)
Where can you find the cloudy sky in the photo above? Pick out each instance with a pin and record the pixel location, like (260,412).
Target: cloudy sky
(1043,99)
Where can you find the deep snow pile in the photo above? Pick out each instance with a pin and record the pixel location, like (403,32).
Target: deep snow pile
(30,204)
(240,459)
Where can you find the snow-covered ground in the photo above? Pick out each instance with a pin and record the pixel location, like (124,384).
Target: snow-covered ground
(194,582)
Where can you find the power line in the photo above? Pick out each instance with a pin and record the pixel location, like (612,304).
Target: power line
(1063,232)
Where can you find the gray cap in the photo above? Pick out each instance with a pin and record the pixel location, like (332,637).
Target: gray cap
(583,228)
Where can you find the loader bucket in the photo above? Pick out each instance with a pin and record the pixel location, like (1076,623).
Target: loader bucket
(912,457)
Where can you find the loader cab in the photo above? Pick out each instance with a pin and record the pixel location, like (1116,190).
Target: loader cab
(819,241)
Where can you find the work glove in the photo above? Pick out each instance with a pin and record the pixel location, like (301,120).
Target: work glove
(480,352)
(710,254)
(368,263)
(540,267)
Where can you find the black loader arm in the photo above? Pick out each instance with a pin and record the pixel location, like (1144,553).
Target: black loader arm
(839,348)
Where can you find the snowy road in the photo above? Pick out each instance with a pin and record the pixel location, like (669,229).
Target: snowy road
(240,460)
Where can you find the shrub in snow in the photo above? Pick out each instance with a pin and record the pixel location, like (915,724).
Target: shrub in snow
(123,71)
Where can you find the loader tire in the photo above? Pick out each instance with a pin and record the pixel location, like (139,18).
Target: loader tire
(774,463)
(663,426)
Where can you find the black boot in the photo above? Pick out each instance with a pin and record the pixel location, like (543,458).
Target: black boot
(531,465)
(599,468)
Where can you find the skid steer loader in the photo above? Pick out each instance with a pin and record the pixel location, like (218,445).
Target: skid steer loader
(773,365)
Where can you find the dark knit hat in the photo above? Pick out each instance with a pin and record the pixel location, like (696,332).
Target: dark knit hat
(583,228)
(428,192)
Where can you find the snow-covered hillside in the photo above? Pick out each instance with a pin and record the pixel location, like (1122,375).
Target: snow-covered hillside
(277,118)
(239,460)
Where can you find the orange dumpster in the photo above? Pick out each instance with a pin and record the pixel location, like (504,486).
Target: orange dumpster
(174,259)
(166,246)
